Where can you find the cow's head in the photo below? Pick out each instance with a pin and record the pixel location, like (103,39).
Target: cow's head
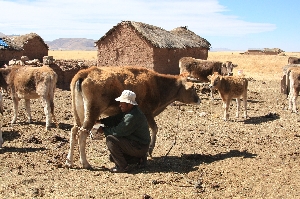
(187,93)
(214,80)
(227,68)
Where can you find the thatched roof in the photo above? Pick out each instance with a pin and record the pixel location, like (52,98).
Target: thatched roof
(23,39)
(11,44)
(18,42)
(179,37)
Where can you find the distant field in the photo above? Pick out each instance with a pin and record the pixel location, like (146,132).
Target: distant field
(258,66)
(84,55)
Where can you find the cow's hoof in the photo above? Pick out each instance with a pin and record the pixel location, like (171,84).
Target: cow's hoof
(150,151)
(68,164)
(87,166)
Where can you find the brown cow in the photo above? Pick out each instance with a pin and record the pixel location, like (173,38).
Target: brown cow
(200,69)
(30,83)
(230,87)
(94,91)
(293,60)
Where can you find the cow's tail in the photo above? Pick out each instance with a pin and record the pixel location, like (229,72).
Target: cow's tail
(77,101)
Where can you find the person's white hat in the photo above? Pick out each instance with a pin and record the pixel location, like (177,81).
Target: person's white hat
(127,96)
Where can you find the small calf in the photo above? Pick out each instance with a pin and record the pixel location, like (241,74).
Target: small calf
(293,75)
(230,87)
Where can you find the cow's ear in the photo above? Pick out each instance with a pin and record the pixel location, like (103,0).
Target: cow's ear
(209,77)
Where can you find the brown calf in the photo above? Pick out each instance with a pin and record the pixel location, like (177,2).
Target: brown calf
(30,83)
(230,87)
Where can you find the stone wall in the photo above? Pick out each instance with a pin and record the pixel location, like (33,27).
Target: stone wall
(66,69)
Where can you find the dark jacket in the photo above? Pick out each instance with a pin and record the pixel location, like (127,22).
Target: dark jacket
(132,125)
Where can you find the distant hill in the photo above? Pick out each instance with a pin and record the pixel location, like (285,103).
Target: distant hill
(71,44)
(1,34)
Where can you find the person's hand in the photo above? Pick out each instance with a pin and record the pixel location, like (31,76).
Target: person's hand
(97,134)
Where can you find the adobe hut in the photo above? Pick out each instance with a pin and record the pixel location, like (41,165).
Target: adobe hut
(136,43)
(33,46)
(30,45)
(9,51)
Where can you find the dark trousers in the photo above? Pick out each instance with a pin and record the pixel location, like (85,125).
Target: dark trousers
(123,149)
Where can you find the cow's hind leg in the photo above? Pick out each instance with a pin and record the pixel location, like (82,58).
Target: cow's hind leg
(154,129)
(28,110)
(73,140)
(82,136)
(238,106)
(294,100)
(16,109)
(47,111)
(245,104)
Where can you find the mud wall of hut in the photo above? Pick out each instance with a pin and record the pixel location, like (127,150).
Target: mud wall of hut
(6,55)
(124,47)
(166,61)
(35,49)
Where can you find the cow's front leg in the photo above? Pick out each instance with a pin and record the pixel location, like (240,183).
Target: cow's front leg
(28,110)
(152,124)
(73,140)
(15,106)
(226,107)
(82,135)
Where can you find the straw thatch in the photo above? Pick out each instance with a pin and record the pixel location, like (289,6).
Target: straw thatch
(23,39)
(11,44)
(179,37)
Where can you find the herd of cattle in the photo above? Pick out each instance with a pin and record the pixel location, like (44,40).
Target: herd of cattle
(93,91)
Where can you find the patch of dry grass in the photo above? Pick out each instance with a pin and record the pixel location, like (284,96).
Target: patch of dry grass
(256,66)
(84,55)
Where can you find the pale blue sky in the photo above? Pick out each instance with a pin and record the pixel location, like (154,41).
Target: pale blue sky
(232,24)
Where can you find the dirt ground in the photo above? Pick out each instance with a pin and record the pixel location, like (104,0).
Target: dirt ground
(198,155)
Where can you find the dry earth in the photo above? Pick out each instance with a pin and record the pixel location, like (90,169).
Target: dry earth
(198,155)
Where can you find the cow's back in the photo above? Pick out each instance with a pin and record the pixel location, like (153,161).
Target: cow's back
(233,85)
(32,82)
(107,83)
(198,68)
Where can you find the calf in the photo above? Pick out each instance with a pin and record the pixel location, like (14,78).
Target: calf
(94,90)
(30,83)
(293,81)
(230,87)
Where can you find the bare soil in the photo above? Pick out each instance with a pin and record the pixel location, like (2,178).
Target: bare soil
(198,155)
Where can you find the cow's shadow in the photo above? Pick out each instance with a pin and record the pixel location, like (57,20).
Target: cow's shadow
(261,119)
(187,162)
(20,150)
(10,135)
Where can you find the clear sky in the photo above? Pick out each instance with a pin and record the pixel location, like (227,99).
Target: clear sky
(231,24)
